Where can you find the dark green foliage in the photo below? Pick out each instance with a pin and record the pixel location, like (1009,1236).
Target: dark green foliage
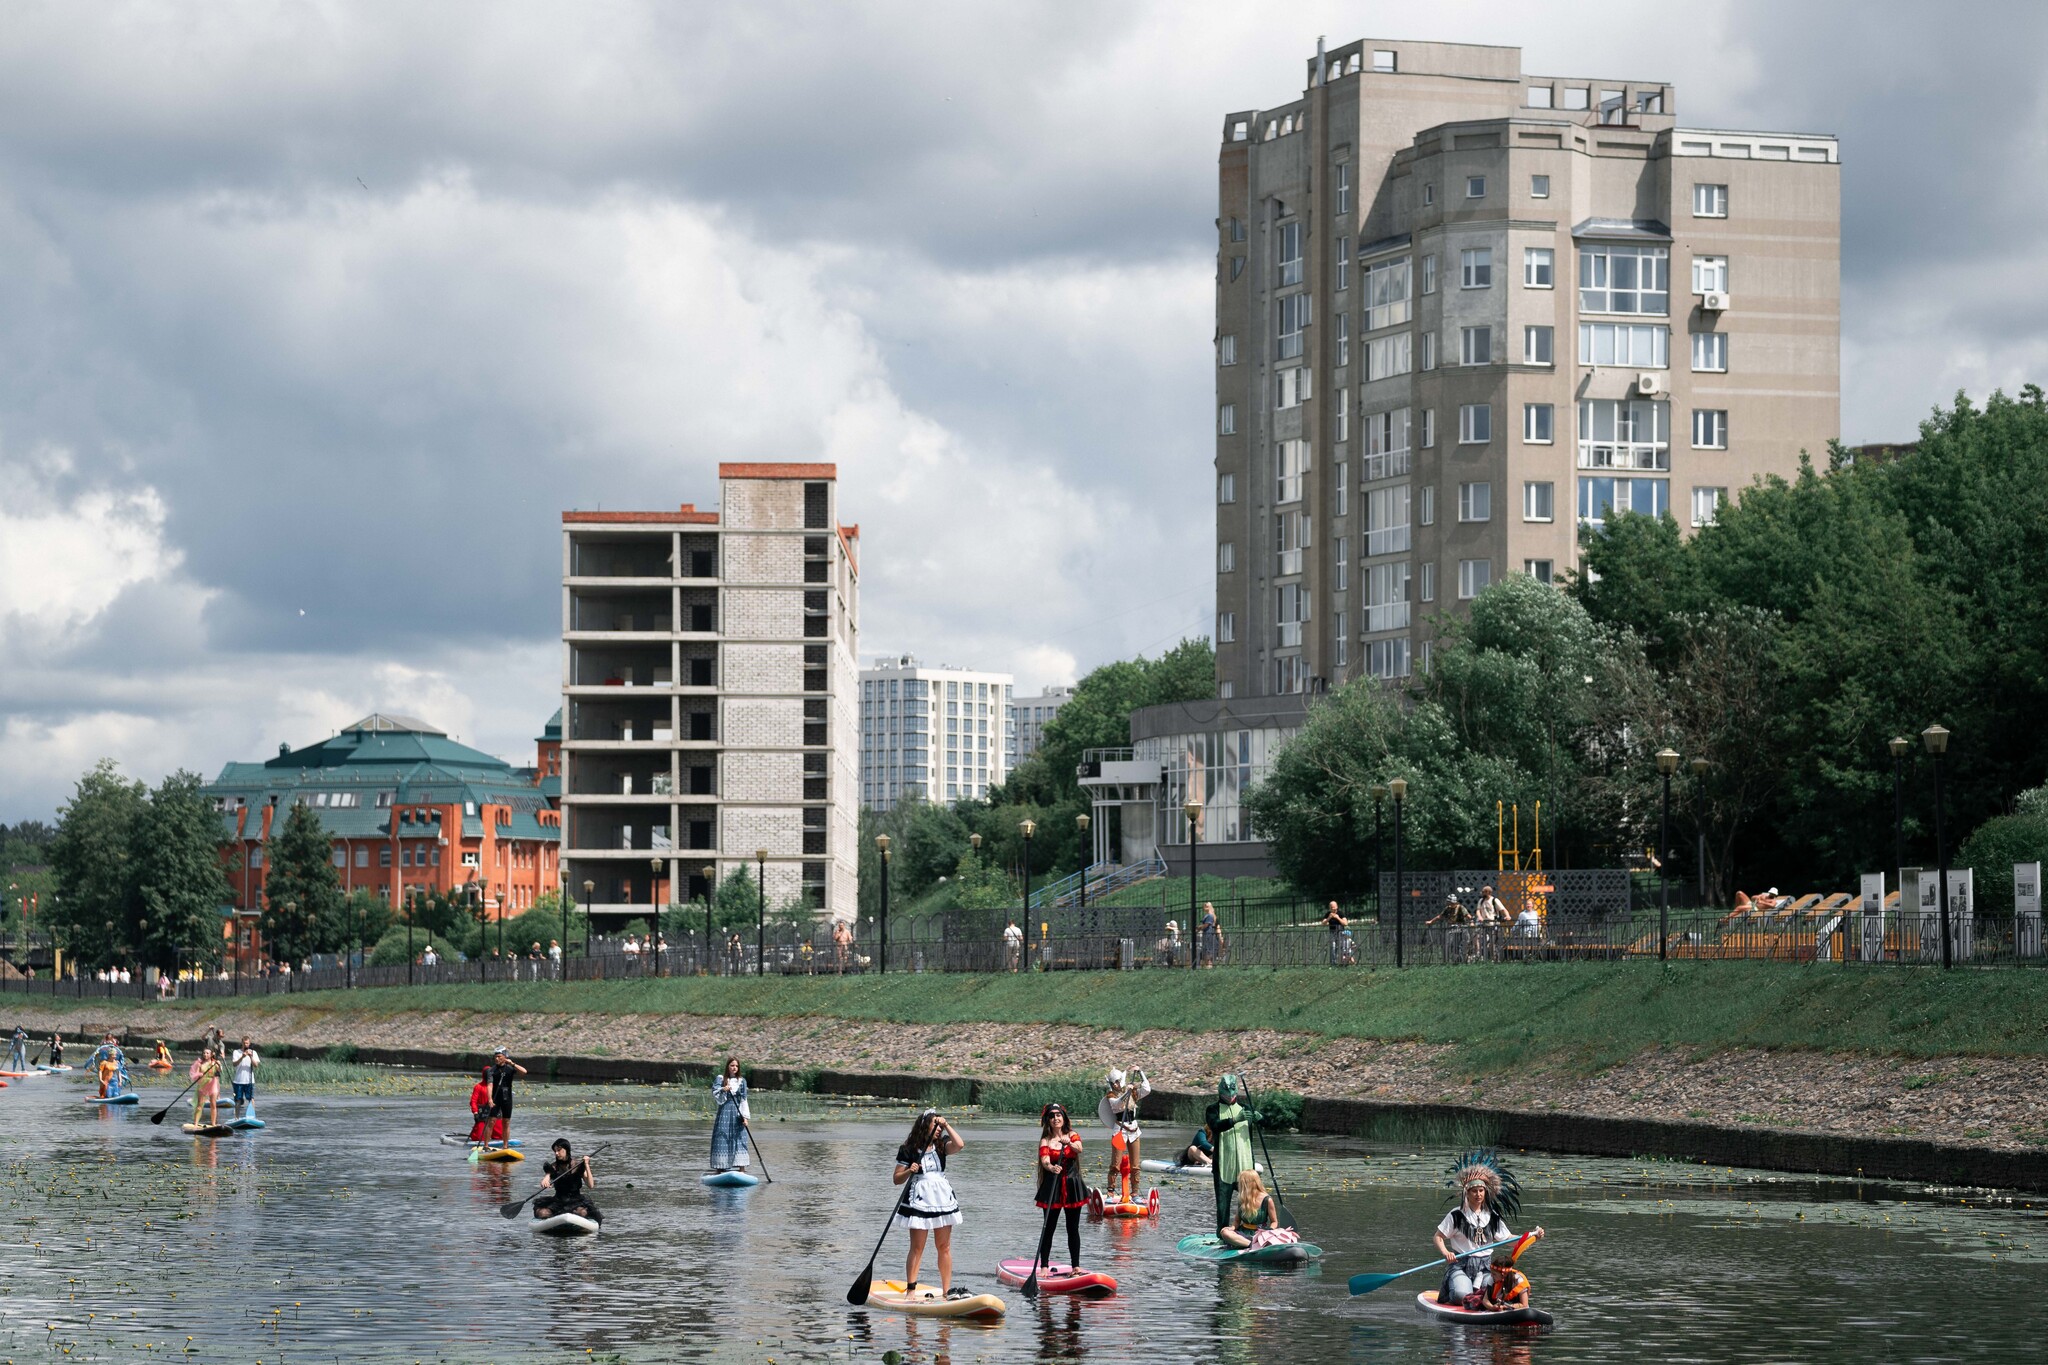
(93,919)
(1993,848)
(1279,1110)
(390,949)
(304,911)
(180,886)
(139,875)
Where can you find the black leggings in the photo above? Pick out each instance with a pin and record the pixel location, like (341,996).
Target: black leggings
(1073,1238)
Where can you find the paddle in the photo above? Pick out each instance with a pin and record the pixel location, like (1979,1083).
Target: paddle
(858,1294)
(1030,1285)
(512,1209)
(757,1151)
(1279,1199)
(158,1116)
(1365,1284)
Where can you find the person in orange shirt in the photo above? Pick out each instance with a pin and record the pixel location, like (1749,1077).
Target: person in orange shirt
(1510,1287)
(480,1108)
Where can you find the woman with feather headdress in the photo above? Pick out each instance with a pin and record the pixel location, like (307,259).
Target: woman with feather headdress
(1487,1196)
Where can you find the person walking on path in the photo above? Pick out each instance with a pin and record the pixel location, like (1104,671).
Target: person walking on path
(1229,1125)
(1060,1186)
(1013,945)
(729,1130)
(930,1208)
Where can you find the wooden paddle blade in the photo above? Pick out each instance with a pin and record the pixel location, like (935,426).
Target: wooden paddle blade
(858,1295)
(1365,1284)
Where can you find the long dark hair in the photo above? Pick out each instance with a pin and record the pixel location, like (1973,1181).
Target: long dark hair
(1045,1120)
(921,1133)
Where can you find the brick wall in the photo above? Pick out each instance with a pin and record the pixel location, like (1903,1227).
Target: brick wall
(762,777)
(762,505)
(763,722)
(764,559)
(764,613)
(764,668)
(777,829)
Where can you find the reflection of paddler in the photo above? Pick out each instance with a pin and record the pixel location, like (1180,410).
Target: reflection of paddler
(1228,1124)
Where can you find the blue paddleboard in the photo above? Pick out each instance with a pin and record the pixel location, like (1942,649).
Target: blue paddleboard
(130,1098)
(247,1121)
(729,1180)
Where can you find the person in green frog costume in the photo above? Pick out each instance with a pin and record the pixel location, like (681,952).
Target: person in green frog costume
(1229,1125)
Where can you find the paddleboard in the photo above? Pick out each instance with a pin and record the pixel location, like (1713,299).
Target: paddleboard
(565,1225)
(160,1066)
(1482,1317)
(1057,1278)
(1209,1247)
(729,1180)
(1100,1206)
(495,1154)
(1175,1168)
(247,1121)
(44,1066)
(928,1302)
(462,1140)
(19,1075)
(208,1129)
(129,1098)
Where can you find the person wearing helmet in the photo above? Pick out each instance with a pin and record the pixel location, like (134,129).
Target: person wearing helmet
(1228,1123)
(1118,1111)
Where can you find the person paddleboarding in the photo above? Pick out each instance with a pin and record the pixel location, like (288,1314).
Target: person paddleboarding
(930,1208)
(1118,1111)
(503,1069)
(1487,1195)
(1229,1126)
(242,1072)
(729,1131)
(205,1075)
(568,1182)
(480,1108)
(110,1066)
(1060,1187)
(56,1049)
(17,1050)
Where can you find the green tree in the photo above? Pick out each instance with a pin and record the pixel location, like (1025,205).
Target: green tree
(93,916)
(181,883)
(1992,849)
(304,898)
(1098,716)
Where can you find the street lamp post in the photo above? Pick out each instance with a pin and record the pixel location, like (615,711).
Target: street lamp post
(1193,811)
(761,919)
(1027,828)
(1398,789)
(589,895)
(882,847)
(710,896)
(412,902)
(1936,740)
(654,903)
(1081,823)
(1379,866)
(1899,746)
(1667,764)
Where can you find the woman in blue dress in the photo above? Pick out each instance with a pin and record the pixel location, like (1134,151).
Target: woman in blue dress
(729,1130)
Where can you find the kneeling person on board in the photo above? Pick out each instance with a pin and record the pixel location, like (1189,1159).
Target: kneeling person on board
(929,1204)
(568,1181)
(1199,1151)
(244,1064)
(1510,1287)
(480,1109)
(1487,1194)
(1119,1113)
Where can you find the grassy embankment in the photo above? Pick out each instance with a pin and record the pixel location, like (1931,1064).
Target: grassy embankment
(1498,1016)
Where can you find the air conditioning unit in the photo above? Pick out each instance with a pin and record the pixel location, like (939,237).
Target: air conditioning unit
(1714,301)
(1646,383)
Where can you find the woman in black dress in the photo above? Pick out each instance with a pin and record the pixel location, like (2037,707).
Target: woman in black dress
(568,1182)
(1060,1186)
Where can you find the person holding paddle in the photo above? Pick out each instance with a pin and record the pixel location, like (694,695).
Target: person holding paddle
(17,1051)
(568,1182)
(206,1077)
(729,1128)
(503,1069)
(111,1067)
(1119,1113)
(1060,1187)
(56,1049)
(1229,1126)
(1488,1194)
(929,1204)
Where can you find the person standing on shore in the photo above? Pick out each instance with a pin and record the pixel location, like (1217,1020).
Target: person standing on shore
(1229,1125)
(729,1130)
(1211,937)
(503,1069)
(930,1208)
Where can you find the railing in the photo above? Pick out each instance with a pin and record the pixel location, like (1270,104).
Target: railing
(1100,879)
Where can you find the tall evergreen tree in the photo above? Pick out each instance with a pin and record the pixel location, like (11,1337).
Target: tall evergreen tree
(303,892)
(180,881)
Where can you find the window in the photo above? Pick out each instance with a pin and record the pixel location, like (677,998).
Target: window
(1386,295)
(1625,279)
(1624,433)
(1386,597)
(1386,445)
(362,856)
(1287,255)
(1429,428)
(1536,97)
(1343,187)
(1710,351)
(1706,505)
(1475,424)
(1539,187)
(1291,467)
(1382,59)
(1343,641)
(1710,201)
(1428,195)
(1226,488)
(1388,356)
(1387,658)
(1343,552)
(1343,264)
(1636,345)
(1575,97)
(1538,267)
(1429,274)
(1473,577)
(1293,318)
(1538,569)
(1386,520)
(1293,386)
(340,855)
(1709,428)
(1236,267)
(1343,425)
(1226,627)
(1539,501)
(383,857)
(1614,106)
(1536,345)
(1237,229)
(1343,339)
(1226,350)
(1475,345)
(1226,557)
(1710,274)
(1598,495)
(1475,267)
(1429,350)
(1475,187)
(1475,501)
(1226,689)
(1425,510)
(1425,587)
(1226,420)
(1292,608)
(1539,424)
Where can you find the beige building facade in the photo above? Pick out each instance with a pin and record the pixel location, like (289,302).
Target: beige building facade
(1463,311)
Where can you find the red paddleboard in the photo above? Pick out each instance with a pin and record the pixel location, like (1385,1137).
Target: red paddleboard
(1100,1206)
(1057,1278)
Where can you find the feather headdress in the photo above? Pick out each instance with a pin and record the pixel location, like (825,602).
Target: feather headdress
(1485,1167)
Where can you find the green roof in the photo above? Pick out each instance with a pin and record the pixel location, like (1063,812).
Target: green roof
(552,731)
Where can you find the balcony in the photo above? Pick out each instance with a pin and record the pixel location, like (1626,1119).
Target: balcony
(1388,540)
(1624,456)
(1392,464)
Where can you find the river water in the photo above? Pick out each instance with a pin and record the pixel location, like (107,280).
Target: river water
(345,1232)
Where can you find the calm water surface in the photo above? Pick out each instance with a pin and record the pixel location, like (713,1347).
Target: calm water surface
(345,1232)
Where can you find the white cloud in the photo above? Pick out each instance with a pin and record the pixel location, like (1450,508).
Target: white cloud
(66,555)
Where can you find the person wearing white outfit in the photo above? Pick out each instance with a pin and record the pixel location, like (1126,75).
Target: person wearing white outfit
(1119,1113)
(928,1203)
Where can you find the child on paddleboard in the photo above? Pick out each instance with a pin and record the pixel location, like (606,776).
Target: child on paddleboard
(1487,1196)
(1060,1187)
(56,1049)
(480,1108)
(929,1205)
(1510,1287)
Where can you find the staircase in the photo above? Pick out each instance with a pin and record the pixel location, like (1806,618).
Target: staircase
(1101,879)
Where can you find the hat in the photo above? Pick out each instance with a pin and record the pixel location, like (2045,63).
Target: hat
(1485,1169)
(500,1052)
(1772,892)
(1228,1087)
(1116,1078)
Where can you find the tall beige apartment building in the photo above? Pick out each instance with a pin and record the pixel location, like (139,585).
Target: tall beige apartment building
(1462,311)
(709,696)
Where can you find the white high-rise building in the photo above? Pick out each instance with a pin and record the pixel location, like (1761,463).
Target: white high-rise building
(939,734)
(1028,716)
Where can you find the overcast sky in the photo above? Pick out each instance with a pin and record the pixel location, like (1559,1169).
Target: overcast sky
(313,317)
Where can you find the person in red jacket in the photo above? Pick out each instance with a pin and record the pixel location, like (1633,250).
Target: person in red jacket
(1060,1188)
(480,1109)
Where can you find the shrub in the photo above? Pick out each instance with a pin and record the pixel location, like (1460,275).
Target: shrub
(1991,850)
(390,949)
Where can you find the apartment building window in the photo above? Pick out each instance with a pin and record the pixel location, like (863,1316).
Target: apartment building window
(1293,387)
(1539,267)
(1537,97)
(1387,302)
(1539,501)
(1475,267)
(1538,569)
(1226,557)
(1475,187)
(1710,201)
(1710,428)
(1624,433)
(1343,548)
(1237,229)
(1290,470)
(1428,195)
(1290,611)
(1386,520)
(1226,420)
(1429,274)
(1287,255)
(1475,424)
(1624,279)
(1635,345)
(1539,424)
(1387,659)
(1386,597)
(1429,428)
(1710,274)
(1706,505)
(1226,488)
(1343,421)
(1226,627)
(1343,187)
(1600,495)
(1539,187)
(1226,689)
(1425,505)
(1710,352)
(1474,576)
(1386,445)
(1475,345)
(1290,540)
(1390,355)
(1293,319)
(1425,583)
(1226,350)
(1537,348)
(1429,350)
(1343,339)
(1343,641)
(1343,264)
(1475,502)
(1343,485)
(1236,268)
